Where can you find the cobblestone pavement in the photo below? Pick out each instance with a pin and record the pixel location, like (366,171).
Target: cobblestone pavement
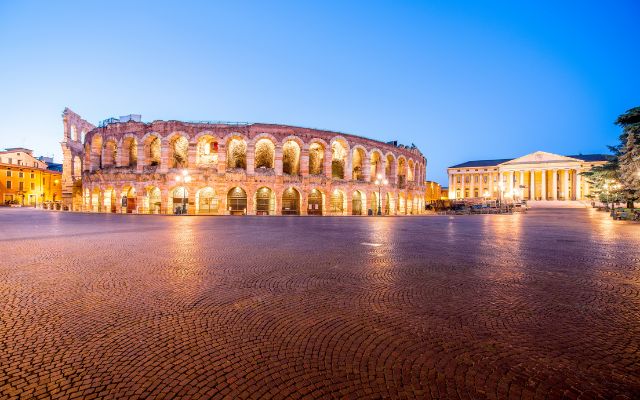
(538,306)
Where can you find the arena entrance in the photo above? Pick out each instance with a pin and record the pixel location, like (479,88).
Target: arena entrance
(315,203)
(264,202)
(180,200)
(356,203)
(129,200)
(291,202)
(206,201)
(337,202)
(237,201)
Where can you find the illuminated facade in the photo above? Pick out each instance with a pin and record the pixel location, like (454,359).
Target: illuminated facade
(536,176)
(26,180)
(234,168)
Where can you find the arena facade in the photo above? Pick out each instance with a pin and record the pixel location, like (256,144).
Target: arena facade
(165,167)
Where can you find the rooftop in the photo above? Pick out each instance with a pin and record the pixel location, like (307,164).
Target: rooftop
(494,163)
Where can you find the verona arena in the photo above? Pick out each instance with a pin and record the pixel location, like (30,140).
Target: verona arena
(235,168)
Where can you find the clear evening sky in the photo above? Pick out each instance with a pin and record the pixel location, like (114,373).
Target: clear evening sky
(462,80)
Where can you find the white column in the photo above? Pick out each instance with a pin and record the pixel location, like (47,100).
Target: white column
(462,184)
(543,191)
(554,185)
(532,185)
(512,174)
(566,189)
(490,184)
(579,195)
(471,184)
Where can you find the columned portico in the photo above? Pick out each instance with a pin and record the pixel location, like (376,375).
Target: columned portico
(524,178)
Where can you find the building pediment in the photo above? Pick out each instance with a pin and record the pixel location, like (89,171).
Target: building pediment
(541,157)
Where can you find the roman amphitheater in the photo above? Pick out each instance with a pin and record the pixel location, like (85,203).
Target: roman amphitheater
(167,167)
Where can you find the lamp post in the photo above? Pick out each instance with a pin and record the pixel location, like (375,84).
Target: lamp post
(380,183)
(186,178)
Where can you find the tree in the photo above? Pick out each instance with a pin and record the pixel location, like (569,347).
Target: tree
(629,155)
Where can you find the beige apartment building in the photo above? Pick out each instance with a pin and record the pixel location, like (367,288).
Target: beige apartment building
(536,176)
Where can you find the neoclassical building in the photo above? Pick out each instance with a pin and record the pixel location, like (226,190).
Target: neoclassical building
(535,176)
(125,165)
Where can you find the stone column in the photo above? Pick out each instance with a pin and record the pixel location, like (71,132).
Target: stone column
(463,176)
(543,189)
(566,188)
(304,161)
(554,185)
(521,182)
(142,158)
(367,169)
(251,158)
(192,154)
(278,161)
(164,157)
(327,162)
(578,193)
(472,185)
(532,185)
(348,173)
(140,196)
(222,159)
(491,185)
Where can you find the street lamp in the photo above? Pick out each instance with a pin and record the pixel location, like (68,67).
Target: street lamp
(380,183)
(186,178)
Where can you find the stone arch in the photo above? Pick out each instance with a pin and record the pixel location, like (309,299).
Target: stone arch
(96,199)
(339,157)
(74,133)
(401,204)
(152,144)
(77,167)
(358,203)
(128,199)
(236,146)
(317,149)
(110,199)
(264,153)
(291,201)
(237,201)
(410,170)
(315,202)
(358,156)
(291,150)
(178,200)
(178,146)
(402,171)
(206,150)
(390,166)
(87,156)
(96,151)
(206,201)
(338,202)
(110,157)
(129,151)
(264,201)
(376,164)
(153,200)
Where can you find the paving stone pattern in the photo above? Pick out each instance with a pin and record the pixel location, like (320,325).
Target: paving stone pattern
(538,306)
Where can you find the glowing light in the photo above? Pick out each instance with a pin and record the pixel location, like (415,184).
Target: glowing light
(185,172)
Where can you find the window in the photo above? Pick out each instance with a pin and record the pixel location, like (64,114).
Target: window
(20,174)
(21,186)
(10,160)
(8,184)
(477,178)
(458,179)
(33,175)
(466,179)
(33,186)
(9,173)
(484,179)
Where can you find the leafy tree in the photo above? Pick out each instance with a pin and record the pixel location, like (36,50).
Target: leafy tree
(629,155)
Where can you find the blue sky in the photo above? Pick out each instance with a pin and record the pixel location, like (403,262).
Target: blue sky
(461,80)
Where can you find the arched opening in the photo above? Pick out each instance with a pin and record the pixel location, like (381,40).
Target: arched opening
(110,153)
(374,203)
(74,133)
(375,165)
(357,164)
(87,156)
(315,202)
(96,152)
(206,201)
(154,200)
(265,154)
(291,202)
(387,204)
(291,158)
(83,133)
(95,200)
(129,201)
(152,151)
(316,159)
(401,204)
(237,154)
(356,203)
(110,200)
(207,152)
(388,167)
(337,202)
(237,201)
(179,201)
(402,172)
(178,152)
(410,171)
(409,205)
(338,159)
(77,167)
(265,201)
(129,152)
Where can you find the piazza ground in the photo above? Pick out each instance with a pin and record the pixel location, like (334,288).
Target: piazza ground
(544,305)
